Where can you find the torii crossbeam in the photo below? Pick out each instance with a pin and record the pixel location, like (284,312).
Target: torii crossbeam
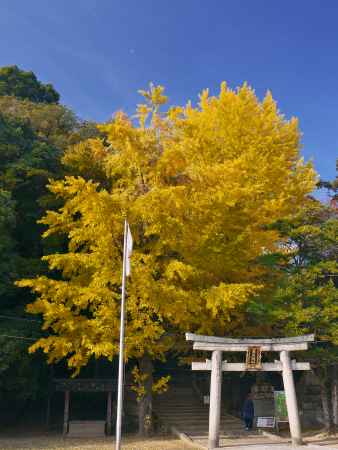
(253,347)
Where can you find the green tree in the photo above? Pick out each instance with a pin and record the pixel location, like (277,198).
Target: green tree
(27,161)
(33,138)
(25,85)
(54,123)
(307,298)
(7,248)
(332,187)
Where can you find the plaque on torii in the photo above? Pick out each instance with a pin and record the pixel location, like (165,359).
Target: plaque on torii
(253,362)
(253,358)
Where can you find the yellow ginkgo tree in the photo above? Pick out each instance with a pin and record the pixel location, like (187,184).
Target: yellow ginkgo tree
(200,186)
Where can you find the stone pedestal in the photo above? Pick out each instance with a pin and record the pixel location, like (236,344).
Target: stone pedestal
(262,396)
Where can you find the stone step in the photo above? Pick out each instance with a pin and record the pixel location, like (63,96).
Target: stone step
(202,428)
(182,401)
(180,416)
(196,415)
(183,408)
(196,422)
(180,395)
(193,412)
(180,390)
(196,418)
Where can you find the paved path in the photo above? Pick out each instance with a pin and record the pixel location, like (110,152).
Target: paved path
(272,446)
(266,443)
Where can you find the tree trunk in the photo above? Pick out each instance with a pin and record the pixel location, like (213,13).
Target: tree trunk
(145,412)
(96,368)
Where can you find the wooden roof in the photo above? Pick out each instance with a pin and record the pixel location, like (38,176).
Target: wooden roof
(84,384)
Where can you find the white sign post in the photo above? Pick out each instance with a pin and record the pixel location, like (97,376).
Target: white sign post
(266,422)
(127,249)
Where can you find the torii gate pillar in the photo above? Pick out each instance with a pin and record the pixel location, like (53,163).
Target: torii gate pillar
(215,399)
(291,398)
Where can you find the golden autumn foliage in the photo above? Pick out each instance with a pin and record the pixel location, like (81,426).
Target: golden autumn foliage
(140,378)
(200,187)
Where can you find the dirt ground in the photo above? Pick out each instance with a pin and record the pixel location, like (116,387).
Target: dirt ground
(58,443)
(38,441)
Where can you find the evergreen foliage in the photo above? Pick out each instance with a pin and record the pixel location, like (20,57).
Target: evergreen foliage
(25,85)
(33,138)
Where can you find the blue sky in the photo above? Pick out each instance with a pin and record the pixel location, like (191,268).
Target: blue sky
(98,54)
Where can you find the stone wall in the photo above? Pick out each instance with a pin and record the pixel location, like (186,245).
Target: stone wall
(309,401)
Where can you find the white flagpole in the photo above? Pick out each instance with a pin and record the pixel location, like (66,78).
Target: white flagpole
(121,354)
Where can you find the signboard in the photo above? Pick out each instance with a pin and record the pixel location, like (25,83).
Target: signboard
(281,411)
(266,422)
(253,358)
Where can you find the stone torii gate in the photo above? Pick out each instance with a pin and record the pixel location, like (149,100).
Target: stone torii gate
(253,348)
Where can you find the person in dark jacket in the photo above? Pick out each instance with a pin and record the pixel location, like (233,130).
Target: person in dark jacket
(248,412)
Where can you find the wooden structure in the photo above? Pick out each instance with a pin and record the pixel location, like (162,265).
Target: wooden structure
(253,348)
(81,385)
